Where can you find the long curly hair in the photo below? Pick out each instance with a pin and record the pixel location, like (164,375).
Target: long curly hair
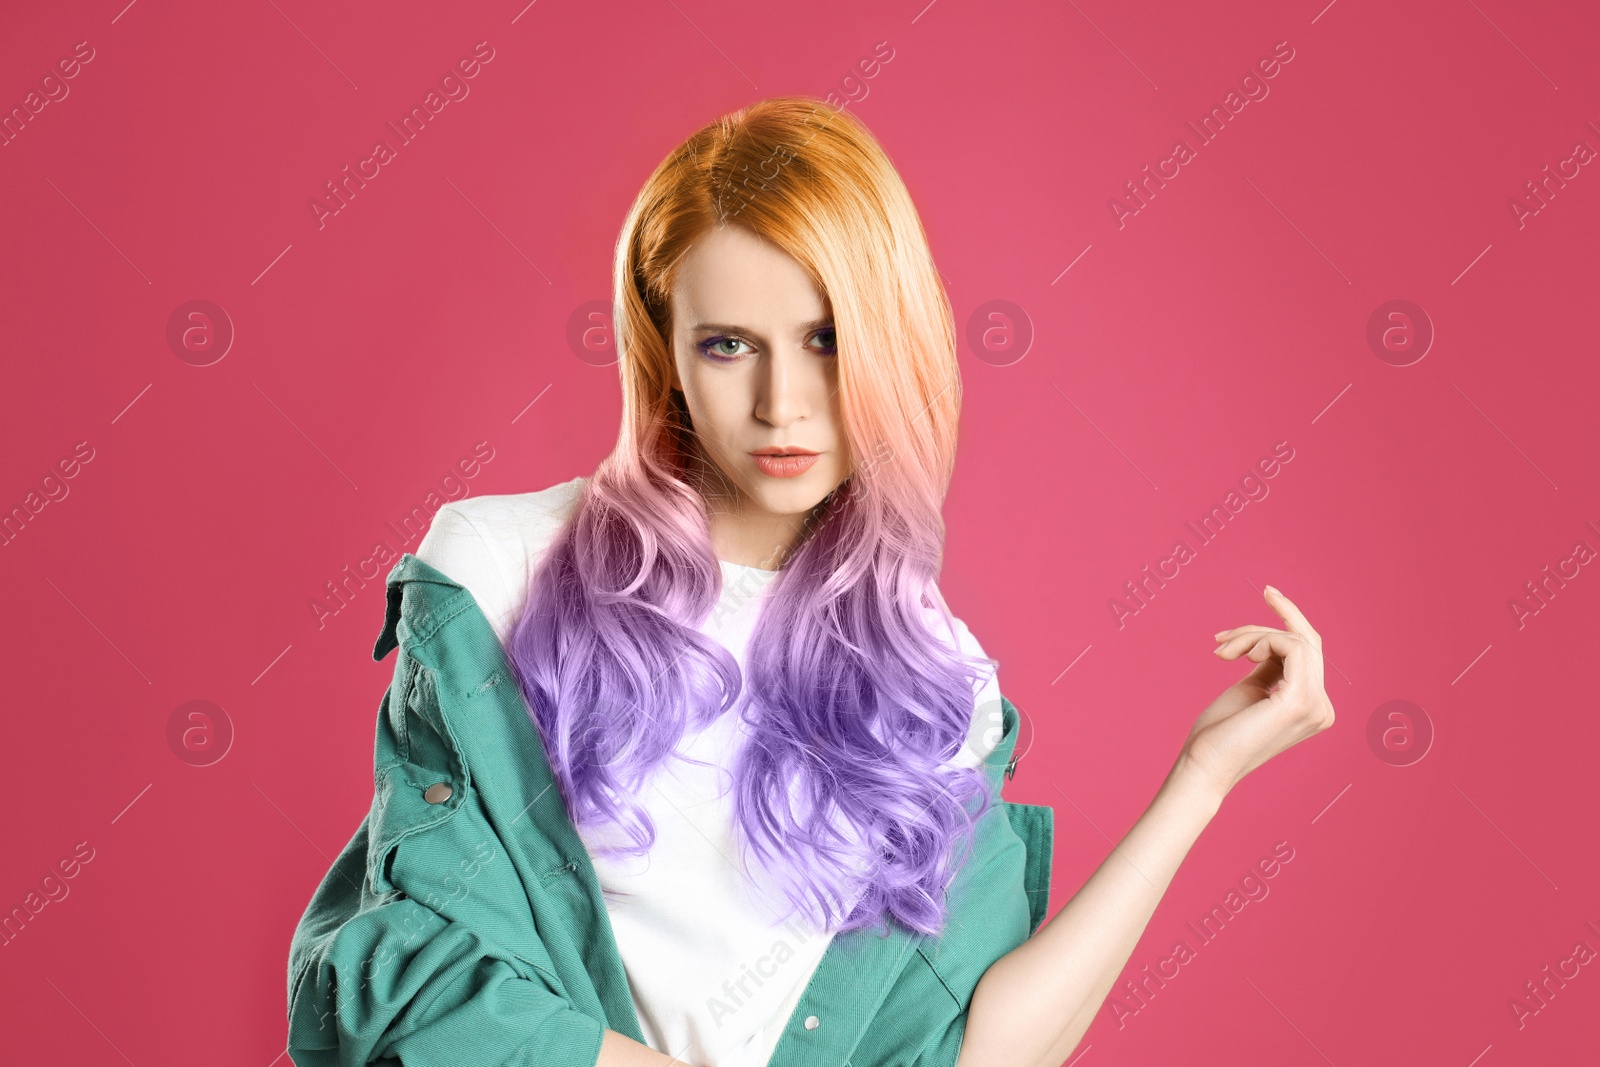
(844,790)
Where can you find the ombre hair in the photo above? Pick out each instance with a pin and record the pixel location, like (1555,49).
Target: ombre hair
(854,705)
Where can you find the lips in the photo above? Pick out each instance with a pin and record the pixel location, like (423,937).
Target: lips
(784,462)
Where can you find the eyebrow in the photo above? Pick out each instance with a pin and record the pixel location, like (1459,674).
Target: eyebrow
(805,327)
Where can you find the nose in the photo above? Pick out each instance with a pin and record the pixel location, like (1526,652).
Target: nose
(783,388)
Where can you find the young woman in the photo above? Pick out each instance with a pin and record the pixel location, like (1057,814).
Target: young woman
(762,717)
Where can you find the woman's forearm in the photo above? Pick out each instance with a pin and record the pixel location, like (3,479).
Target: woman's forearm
(619,1050)
(1033,1005)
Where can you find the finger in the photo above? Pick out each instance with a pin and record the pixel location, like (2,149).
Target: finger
(1292,615)
(1250,628)
(1258,646)
(1242,635)
(1269,664)
(1302,663)
(1261,649)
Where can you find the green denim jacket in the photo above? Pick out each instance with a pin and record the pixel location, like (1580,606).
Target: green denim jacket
(464,925)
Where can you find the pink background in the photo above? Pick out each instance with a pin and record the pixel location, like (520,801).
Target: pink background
(1228,314)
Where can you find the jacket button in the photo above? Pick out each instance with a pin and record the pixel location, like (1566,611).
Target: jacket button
(437,793)
(812,1022)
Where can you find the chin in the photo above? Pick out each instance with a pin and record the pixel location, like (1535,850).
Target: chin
(792,496)
(788,499)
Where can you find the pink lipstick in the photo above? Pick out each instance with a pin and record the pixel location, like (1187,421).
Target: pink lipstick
(784,462)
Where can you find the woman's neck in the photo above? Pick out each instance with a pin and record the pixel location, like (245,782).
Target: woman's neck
(742,532)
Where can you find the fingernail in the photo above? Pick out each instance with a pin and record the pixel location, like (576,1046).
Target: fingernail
(1273,590)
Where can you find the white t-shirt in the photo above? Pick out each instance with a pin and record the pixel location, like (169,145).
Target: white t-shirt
(714,975)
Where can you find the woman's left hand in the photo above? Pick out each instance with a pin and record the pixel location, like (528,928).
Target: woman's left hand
(1274,707)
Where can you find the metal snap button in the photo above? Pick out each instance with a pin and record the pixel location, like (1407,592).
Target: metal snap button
(437,793)
(1011,768)
(812,1022)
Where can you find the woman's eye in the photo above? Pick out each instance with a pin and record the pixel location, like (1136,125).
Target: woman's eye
(727,349)
(714,348)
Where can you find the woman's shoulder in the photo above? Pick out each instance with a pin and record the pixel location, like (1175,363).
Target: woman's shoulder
(503,514)
(489,544)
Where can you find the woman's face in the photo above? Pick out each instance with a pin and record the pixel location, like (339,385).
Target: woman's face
(753,353)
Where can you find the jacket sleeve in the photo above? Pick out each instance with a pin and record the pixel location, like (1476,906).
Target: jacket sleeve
(959,969)
(400,984)
(378,974)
